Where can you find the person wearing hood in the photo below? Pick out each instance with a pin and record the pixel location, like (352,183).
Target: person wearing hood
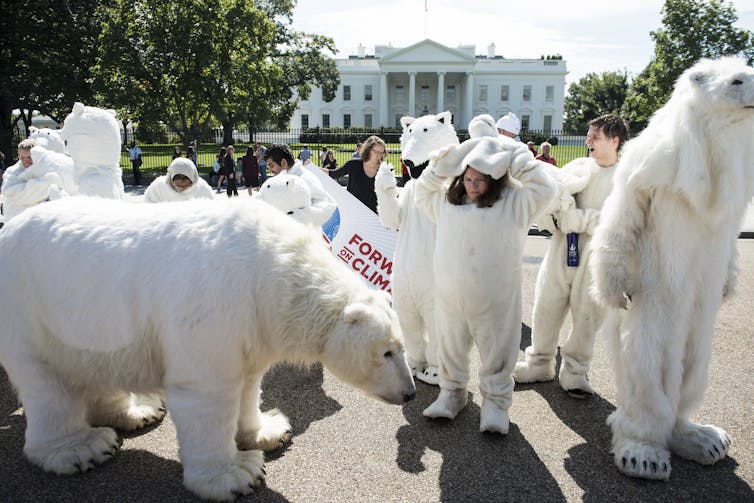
(509,125)
(181,183)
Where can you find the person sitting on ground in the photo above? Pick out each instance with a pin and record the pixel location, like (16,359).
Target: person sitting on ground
(280,160)
(545,155)
(361,172)
(181,183)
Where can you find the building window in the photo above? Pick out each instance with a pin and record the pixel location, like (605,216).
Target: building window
(549,92)
(548,123)
(483,92)
(367,120)
(424,95)
(504,90)
(527,94)
(346,121)
(325,120)
(398,120)
(450,94)
(525,121)
(400,93)
(346,93)
(304,121)
(368,92)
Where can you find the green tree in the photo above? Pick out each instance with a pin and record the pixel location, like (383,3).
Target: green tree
(46,53)
(692,29)
(593,95)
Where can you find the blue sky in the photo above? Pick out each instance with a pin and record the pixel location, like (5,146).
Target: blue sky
(592,35)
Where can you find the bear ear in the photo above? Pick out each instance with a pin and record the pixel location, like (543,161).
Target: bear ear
(406,121)
(445,117)
(356,313)
(78,108)
(698,78)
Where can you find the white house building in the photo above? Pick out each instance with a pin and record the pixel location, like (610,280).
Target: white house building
(428,78)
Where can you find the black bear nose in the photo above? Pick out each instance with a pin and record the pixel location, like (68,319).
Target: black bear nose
(408,397)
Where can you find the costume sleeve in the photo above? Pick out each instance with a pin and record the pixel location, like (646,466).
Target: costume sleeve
(578,220)
(430,192)
(616,240)
(388,202)
(152,194)
(203,190)
(537,188)
(30,193)
(322,207)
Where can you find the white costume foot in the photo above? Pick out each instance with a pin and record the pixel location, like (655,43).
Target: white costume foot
(274,432)
(576,385)
(642,459)
(493,419)
(77,453)
(416,366)
(705,444)
(530,371)
(448,404)
(430,375)
(226,481)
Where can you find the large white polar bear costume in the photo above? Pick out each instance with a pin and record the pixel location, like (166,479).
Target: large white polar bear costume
(142,326)
(413,278)
(665,258)
(47,138)
(93,137)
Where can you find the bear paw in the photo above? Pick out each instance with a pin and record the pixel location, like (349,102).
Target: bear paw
(642,460)
(530,371)
(493,419)
(448,404)
(576,385)
(430,375)
(705,444)
(77,453)
(227,481)
(275,431)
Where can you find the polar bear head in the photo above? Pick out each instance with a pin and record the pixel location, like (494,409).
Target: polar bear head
(286,192)
(48,138)
(93,136)
(423,135)
(366,350)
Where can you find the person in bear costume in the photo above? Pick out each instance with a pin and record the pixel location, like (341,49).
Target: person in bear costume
(563,285)
(181,183)
(495,190)
(413,278)
(39,175)
(93,137)
(665,258)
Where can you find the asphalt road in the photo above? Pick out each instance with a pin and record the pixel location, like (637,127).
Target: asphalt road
(347,447)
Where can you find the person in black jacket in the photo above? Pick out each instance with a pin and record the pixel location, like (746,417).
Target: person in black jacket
(229,170)
(361,172)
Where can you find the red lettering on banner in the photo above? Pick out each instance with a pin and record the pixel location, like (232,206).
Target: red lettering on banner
(363,264)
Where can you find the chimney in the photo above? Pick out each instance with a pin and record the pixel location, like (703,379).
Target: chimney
(362,49)
(491,51)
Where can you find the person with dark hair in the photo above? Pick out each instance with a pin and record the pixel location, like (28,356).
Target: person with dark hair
(328,162)
(135,154)
(482,219)
(250,170)
(280,160)
(229,170)
(563,281)
(191,154)
(218,168)
(361,171)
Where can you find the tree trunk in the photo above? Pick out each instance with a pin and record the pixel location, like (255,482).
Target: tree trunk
(6,130)
(228,125)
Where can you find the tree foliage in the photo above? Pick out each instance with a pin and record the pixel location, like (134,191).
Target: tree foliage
(199,62)
(594,95)
(692,29)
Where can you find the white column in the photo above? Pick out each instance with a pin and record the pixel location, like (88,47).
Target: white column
(383,99)
(468,101)
(412,94)
(440,92)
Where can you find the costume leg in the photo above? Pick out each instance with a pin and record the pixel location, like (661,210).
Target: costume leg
(550,306)
(431,374)
(411,324)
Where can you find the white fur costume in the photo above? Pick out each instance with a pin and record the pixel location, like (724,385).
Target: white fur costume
(47,138)
(323,205)
(413,278)
(162,190)
(49,177)
(560,287)
(288,193)
(70,345)
(93,137)
(667,242)
(477,266)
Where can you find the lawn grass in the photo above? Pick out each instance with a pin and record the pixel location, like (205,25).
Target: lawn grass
(157,157)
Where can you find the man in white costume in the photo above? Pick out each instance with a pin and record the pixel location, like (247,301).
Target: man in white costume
(181,183)
(561,286)
(280,160)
